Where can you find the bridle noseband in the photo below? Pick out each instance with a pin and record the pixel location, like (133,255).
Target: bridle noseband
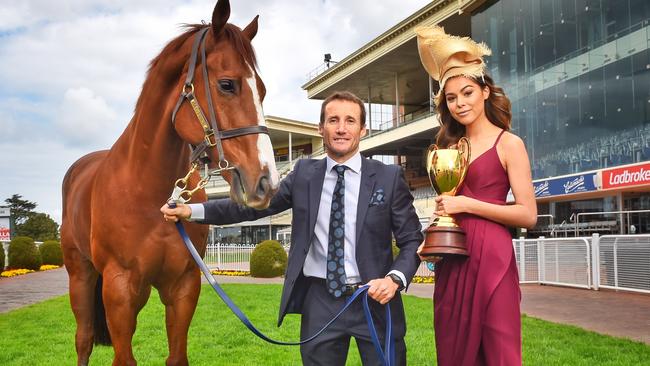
(212,136)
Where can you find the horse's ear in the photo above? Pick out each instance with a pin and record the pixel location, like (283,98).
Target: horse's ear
(251,30)
(220,16)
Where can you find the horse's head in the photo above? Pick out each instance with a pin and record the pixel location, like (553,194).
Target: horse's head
(224,53)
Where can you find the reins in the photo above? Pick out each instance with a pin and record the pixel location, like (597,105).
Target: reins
(387,355)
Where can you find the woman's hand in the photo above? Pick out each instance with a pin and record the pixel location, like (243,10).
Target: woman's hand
(450,205)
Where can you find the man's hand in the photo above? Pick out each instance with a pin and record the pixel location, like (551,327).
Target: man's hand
(382,290)
(182,211)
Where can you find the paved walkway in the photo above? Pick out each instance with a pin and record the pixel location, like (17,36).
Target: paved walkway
(619,314)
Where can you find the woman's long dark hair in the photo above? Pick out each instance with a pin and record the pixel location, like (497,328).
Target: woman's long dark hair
(497,110)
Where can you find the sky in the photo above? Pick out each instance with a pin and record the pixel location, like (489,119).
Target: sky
(71,70)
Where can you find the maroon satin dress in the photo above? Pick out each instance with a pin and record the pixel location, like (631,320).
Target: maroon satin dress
(476,299)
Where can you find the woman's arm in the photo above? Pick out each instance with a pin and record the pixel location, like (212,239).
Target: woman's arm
(523,213)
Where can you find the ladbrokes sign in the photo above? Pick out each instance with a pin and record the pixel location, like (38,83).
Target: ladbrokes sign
(625,177)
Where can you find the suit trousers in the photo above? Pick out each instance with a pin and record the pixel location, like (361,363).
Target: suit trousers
(331,347)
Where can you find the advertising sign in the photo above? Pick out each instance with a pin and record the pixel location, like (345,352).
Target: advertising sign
(565,185)
(5,233)
(627,176)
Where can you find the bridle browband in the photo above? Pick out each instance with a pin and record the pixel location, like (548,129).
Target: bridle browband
(210,130)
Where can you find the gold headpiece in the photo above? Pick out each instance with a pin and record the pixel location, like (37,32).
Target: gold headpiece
(445,56)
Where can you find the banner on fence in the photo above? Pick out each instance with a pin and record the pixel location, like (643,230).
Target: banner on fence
(565,185)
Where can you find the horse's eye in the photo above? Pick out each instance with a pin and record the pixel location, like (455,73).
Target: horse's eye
(227,86)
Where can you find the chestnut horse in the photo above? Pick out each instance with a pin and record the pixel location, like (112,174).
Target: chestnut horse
(116,245)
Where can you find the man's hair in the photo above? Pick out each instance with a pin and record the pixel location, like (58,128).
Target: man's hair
(347,96)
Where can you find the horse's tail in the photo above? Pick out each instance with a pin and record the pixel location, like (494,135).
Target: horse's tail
(102,336)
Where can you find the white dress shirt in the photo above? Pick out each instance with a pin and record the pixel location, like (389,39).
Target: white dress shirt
(316,261)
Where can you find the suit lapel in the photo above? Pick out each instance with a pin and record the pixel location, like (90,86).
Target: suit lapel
(315,184)
(366,187)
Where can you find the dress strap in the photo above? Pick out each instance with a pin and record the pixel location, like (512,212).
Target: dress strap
(498,138)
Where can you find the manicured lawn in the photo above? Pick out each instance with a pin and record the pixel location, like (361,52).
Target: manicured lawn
(43,334)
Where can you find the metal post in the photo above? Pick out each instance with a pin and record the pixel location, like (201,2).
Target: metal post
(218,255)
(369,112)
(290,152)
(522,258)
(397,114)
(616,263)
(619,202)
(557,262)
(595,261)
(540,260)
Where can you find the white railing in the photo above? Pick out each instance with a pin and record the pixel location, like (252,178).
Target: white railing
(623,262)
(619,262)
(230,257)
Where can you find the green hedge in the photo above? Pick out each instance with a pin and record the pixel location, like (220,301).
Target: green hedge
(268,260)
(51,252)
(23,254)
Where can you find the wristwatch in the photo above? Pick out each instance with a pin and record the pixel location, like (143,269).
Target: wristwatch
(397,280)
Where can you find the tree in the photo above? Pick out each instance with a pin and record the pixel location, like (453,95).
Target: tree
(39,227)
(21,209)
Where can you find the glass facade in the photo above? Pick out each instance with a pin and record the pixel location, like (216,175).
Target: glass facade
(578,75)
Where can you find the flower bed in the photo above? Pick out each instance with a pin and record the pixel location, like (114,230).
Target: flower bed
(421,279)
(227,272)
(18,272)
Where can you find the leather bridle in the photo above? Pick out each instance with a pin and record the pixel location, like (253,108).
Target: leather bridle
(212,136)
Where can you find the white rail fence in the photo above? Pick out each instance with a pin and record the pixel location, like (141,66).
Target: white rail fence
(236,257)
(618,262)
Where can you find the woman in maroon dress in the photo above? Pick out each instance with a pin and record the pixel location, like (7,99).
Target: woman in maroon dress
(476,299)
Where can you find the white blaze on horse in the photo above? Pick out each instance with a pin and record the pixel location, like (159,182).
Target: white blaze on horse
(116,245)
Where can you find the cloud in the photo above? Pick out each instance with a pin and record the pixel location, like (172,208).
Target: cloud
(86,120)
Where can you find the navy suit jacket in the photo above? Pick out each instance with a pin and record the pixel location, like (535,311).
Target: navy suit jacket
(377,222)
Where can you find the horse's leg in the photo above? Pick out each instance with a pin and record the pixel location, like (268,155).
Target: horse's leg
(179,295)
(124,295)
(83,278)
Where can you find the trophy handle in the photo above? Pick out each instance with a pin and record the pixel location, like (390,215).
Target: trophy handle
(430,153)
(465,154)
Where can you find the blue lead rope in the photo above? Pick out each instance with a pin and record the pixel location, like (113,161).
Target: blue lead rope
(387,355)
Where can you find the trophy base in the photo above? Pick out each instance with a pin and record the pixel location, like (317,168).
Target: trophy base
(444,241)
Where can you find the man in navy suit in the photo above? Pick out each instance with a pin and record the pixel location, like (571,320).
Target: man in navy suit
(346,209)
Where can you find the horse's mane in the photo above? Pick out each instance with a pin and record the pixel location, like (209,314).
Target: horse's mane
(233,34)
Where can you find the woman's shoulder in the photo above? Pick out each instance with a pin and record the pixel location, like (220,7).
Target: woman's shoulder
(510,141)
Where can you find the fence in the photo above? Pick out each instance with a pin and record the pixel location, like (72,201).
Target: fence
(618,262)
(230,257)
(236,257)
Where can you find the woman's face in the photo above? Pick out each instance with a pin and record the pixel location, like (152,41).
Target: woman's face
(465,99)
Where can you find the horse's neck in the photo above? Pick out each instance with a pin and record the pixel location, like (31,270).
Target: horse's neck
(150,147)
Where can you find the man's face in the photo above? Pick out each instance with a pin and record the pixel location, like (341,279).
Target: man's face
(342,129)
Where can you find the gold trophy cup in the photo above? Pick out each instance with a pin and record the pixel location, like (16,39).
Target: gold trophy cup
(447,169)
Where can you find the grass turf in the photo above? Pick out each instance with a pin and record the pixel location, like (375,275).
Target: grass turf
(43,334)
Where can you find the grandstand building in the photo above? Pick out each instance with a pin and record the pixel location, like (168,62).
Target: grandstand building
(577,73)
